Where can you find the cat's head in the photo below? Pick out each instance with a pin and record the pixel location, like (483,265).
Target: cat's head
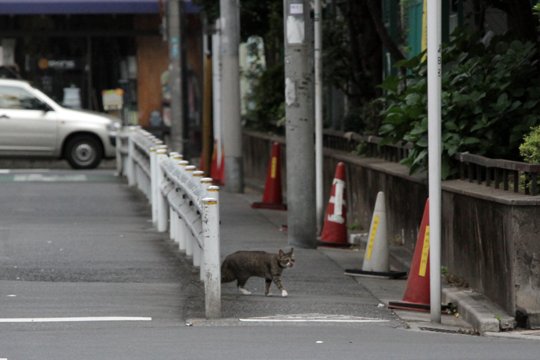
(286,259)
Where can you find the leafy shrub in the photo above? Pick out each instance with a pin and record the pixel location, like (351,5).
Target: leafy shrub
(530,151)
(490,98)
(530,148)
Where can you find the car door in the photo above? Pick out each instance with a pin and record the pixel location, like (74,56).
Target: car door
(28,126)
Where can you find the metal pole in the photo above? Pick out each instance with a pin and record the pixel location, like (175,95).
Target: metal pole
(434,153)
(230,95)
(319,179)
(175,75)
(301,215)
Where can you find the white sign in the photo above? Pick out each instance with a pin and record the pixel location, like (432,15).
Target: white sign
(296,9)
(295,30)
(113,99)
(290,92)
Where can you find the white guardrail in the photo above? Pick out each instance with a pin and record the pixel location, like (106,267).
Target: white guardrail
(183,202)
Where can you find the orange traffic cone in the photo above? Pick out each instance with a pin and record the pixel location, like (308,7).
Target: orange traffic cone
(217,167)
(417,292)
(334,232)
(272,198)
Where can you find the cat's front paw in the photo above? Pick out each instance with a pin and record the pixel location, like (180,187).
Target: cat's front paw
(244,291)
(284,293)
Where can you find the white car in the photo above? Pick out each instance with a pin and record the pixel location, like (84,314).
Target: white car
(33,125)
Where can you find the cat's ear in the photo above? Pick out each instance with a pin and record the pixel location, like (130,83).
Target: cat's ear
(291,252)
(281,253)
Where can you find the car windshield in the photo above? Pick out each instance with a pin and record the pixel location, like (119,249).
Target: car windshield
(17,98)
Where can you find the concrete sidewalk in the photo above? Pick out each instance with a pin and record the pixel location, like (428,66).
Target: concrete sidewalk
(317,284)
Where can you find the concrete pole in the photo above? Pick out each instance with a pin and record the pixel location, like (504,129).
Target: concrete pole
(230,95)
(301,215)
(175,75)
(319,158)
(434,153)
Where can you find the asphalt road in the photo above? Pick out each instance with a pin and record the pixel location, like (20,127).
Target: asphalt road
(83,275)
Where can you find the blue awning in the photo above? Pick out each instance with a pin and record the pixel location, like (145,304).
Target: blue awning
(51,7)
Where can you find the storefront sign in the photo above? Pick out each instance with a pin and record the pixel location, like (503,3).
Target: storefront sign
(67,64)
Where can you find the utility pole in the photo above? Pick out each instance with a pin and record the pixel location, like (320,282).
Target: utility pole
(301,215)
(175,75)
(207,139)
(319,159)
(230,95)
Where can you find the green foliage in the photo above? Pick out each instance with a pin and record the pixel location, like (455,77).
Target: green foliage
(530,148)
(255,15)
(490,98)
(268,97)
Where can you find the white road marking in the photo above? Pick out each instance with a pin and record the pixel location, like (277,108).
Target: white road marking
(303,318)
(74,319)
(4,171)
(48,178)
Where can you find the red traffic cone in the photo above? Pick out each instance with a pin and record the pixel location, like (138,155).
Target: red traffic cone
(217,167)
(334,232)
(272,198)
(417,292)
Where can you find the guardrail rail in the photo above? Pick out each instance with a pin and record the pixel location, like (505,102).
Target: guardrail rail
(184,203)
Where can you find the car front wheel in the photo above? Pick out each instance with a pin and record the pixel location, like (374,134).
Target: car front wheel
(83,152)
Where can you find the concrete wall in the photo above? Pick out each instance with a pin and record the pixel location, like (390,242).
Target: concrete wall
(490,238)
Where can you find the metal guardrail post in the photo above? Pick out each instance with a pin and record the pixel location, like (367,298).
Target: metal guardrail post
(188,236)
(206,184)
(131,161)
(154,183)
(212,272)
(162,207)
(173,216)
(119,158)
(181,225)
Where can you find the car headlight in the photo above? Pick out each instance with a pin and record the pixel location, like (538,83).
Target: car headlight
(114,126)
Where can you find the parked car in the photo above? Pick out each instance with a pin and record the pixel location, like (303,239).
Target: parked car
(34,125)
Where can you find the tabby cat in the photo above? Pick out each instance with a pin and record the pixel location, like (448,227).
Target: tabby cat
(242,265)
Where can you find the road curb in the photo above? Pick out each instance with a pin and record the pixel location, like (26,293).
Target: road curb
(479,311)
